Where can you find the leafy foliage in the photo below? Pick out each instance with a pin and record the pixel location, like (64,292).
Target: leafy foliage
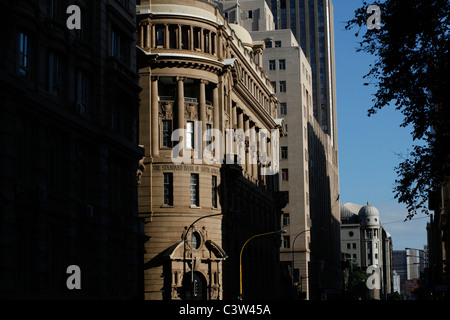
(412,72)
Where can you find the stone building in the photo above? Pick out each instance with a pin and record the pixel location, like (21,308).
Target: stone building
(367,243)
(200,73)
(68,150)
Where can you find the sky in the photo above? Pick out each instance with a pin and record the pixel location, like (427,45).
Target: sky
(369,147)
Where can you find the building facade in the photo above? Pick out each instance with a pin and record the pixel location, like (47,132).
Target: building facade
(69,155)
(367,244)
(200,73)
(312,24)
(309,168)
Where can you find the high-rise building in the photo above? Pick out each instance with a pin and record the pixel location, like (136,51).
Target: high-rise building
(312,24)
(69,102)
(309,168)
(200,73)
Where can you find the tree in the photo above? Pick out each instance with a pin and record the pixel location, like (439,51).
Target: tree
(412,72)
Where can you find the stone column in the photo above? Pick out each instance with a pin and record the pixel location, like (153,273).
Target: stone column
(180,106)
(216,116)
(155,117)
(202,104)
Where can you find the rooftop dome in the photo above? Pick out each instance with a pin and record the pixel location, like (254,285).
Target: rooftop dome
(242,34)
(369,215)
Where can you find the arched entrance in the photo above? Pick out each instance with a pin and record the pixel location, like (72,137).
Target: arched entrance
(194,286)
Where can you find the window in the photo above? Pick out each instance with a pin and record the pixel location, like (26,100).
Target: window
(285,174)
(283,108)
(277,44)
(54,74)
(348,245)
(52,9)
(249,14)
(272,65)
(286,219)
(268,43)
(354,245)
(119,46)
(208,133)
(159,33)
(282,64)
(190,135)
(194,189)
(214,191)
(168,189)
(23,58)
(284,152)
(167,133)
(286,242)
(82,93)
(282,86)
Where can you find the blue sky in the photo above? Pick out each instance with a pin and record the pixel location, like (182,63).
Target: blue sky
(369,147)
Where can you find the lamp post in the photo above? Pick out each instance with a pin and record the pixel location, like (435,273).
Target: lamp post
(192,249)
(242,250)
(293,251)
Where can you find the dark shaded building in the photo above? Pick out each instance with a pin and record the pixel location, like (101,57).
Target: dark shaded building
(68,150)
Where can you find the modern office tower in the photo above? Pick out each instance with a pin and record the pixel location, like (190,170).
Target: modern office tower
(69,102)
(367,244)
(308,160)
(312,24)
(198,72)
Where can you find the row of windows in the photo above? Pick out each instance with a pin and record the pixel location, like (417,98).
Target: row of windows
(175,36)
(166,134)
(281,64)
(194,189)
(269,43)
(280,87)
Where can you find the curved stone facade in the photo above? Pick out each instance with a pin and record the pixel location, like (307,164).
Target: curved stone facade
(196,75)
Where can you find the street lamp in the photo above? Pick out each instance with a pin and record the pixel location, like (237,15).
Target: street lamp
(242,250)
(293,251)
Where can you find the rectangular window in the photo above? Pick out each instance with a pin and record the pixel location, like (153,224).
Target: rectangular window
(82,93)
(119,46)
(272,65)
(274,85)
(282,64)
(286,219)
(194,189)
(208,136)
(54,74)
(167,133)
(283,108)
(23,58)
(286,242)
(214,191)
(52,9)
(190,135)
(168,189)
(282,86)
(284,152)
(285,174)
(249,14)
(159,32)
(277,44)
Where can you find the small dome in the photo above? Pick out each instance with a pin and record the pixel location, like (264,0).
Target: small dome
(369,215)
(242,34)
